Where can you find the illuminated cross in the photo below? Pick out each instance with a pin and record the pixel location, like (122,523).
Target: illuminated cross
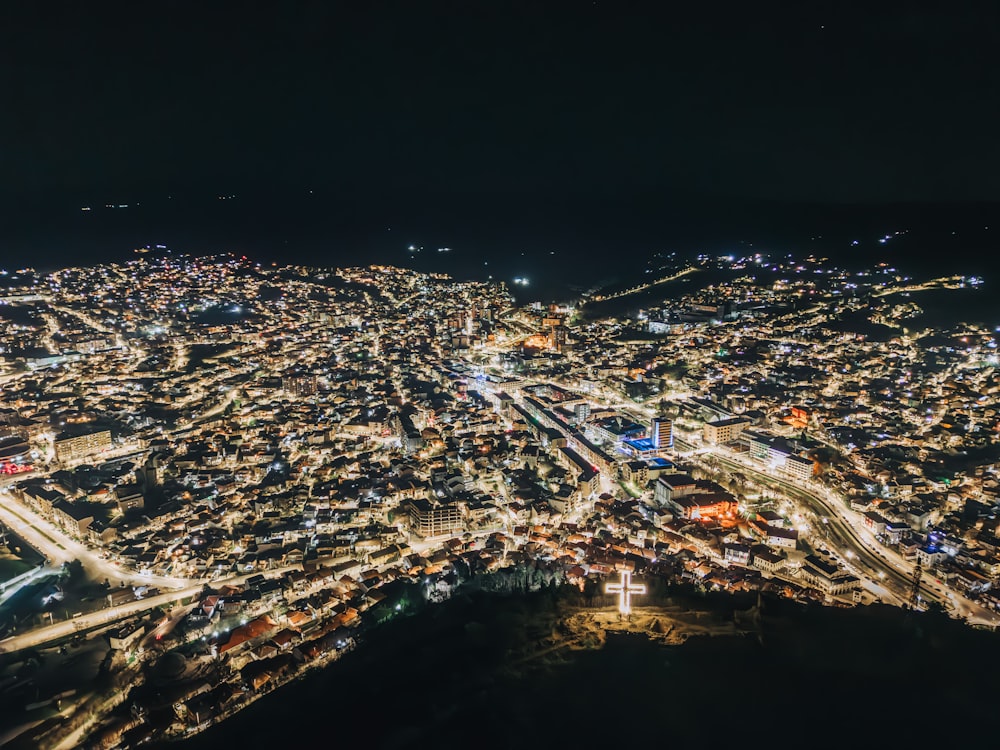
(625,588)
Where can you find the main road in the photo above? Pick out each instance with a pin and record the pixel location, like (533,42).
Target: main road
(839,532)
(111,615)
(643,287)
(58,548)
(885,566)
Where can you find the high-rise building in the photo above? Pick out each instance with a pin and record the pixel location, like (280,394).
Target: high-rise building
(560,337)
(299,384)
(152,471)
(662,433)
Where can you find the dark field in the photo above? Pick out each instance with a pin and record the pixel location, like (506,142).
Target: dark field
(456,675)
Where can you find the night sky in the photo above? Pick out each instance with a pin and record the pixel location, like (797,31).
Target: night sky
(747,100)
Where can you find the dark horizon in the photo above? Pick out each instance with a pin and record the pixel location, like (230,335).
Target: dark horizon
(333,229)
(821,104)
(598,130)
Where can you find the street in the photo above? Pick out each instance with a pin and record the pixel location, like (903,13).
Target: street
(58,548)
(855,544)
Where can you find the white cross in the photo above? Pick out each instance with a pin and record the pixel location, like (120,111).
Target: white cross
(625,588)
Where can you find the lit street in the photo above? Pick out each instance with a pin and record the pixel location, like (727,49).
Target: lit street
(59,548)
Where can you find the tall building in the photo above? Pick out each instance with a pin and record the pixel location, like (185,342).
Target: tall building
(431,519)
(662,433)
(299,384)
(152,471)
(82,446)
(722,431)
(560,337)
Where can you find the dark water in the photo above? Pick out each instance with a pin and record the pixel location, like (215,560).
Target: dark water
(444,678)
(950,307)
(561,243)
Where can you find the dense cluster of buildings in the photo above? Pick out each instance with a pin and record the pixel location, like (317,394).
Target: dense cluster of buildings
(330,432)
(212,415)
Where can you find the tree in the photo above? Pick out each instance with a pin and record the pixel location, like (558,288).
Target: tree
(73,570)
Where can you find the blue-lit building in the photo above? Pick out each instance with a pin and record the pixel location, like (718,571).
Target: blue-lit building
(617,430)
(639,448)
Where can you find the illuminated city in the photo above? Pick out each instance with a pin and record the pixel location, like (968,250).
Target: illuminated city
(252,462)
(499,375)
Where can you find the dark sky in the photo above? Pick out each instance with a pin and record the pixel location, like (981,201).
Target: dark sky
(748,100)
